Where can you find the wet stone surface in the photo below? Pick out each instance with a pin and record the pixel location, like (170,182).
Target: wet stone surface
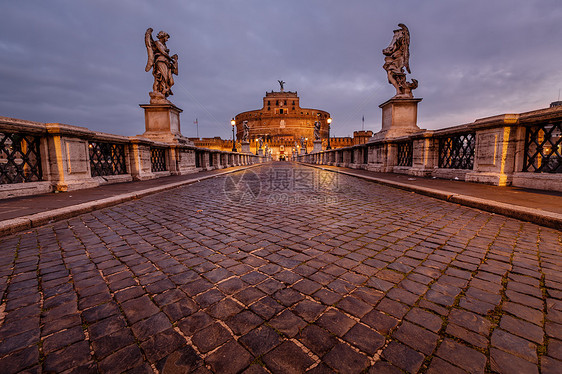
(282,268)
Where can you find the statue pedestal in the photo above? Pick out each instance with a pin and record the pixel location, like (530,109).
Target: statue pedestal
(317,146)
(162,123)
(246,147)
(399,118)
(302,151)
(260,152)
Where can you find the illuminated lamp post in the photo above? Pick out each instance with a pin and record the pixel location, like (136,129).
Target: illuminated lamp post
(329,120)
(233,123)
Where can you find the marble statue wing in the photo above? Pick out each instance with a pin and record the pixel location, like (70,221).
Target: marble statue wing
(149,49)
(406,47)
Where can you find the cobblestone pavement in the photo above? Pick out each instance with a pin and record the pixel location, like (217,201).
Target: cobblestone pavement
(289,270)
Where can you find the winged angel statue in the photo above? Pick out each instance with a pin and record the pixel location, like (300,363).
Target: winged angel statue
(162,65)
(397,56)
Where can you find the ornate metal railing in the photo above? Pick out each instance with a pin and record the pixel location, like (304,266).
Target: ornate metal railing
(20,158)
(198,161)
(457,151)
(107,159)
(158,159)
(405,153)
(543,148)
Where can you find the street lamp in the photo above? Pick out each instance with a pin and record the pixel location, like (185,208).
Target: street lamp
(329,120)
(233,123)
(306,145)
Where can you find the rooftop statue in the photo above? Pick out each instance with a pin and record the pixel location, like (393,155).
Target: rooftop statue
(281,83)
(162,65)
(397,56)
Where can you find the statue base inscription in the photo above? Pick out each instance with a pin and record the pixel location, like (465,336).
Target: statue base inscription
(317,146)
(399,118)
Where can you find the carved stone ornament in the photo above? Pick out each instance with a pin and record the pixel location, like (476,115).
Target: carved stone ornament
(162,64)
(397,56)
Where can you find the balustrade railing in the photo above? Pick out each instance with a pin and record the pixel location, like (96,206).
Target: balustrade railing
(20,158)
(107,159)
(543,148)
(158,159)
(405,153)
(457,151)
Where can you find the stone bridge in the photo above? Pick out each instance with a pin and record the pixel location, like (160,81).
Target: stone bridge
(282,268)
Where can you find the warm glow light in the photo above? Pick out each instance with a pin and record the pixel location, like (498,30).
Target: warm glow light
(232,122)
(329,120)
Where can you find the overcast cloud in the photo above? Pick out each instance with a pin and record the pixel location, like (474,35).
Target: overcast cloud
(82,62)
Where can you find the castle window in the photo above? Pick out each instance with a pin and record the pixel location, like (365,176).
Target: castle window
(277,102)
(268,103)
(293,102)
(280,111)
(285,102)
(293,108)
(268,108)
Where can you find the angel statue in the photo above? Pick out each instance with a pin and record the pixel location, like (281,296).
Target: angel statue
(303,142)
(282,84)
(260,140)
(162,65)
(246,133)
(397,56)
(317,130)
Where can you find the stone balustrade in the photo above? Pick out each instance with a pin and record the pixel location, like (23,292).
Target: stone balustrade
(523,150)
(38,158)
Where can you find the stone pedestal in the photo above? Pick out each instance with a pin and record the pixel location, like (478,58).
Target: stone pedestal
(302,151)
(162,123)
(246,147)
(260,152)
(399,118)
(317,146)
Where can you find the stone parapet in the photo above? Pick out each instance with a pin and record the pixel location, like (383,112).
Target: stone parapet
(40,158)
(507,149)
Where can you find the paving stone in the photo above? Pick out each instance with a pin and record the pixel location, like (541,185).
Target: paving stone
(550,365)
(261,340)
(124,359)
(243,322)
(394,308)
(62,339)
(380,321)
(532,315)
(327,297)
(288,296)
(416,337)
(468,336)
(210,337)
(555,349)
(287,358)
(317,339)
(345,360)
(180,309)
(224,309)
(439,366)
(405,358)
(514,345)
(462,356)
(364,338)
(108,344)
(506,363)
(425,319)
(522,328)
(354,306)
(309,310)
(70,357)
(230,358)
(139,308)
(194,323)
(16,342)
(162,344)
(336,322)
(249,295)
(470,321)
(21,360)
(148,327)
(287,323)
(266,307)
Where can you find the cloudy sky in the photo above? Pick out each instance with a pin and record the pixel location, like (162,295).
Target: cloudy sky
(82,62)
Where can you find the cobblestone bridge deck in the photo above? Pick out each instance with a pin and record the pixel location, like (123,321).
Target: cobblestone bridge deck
(284,270)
